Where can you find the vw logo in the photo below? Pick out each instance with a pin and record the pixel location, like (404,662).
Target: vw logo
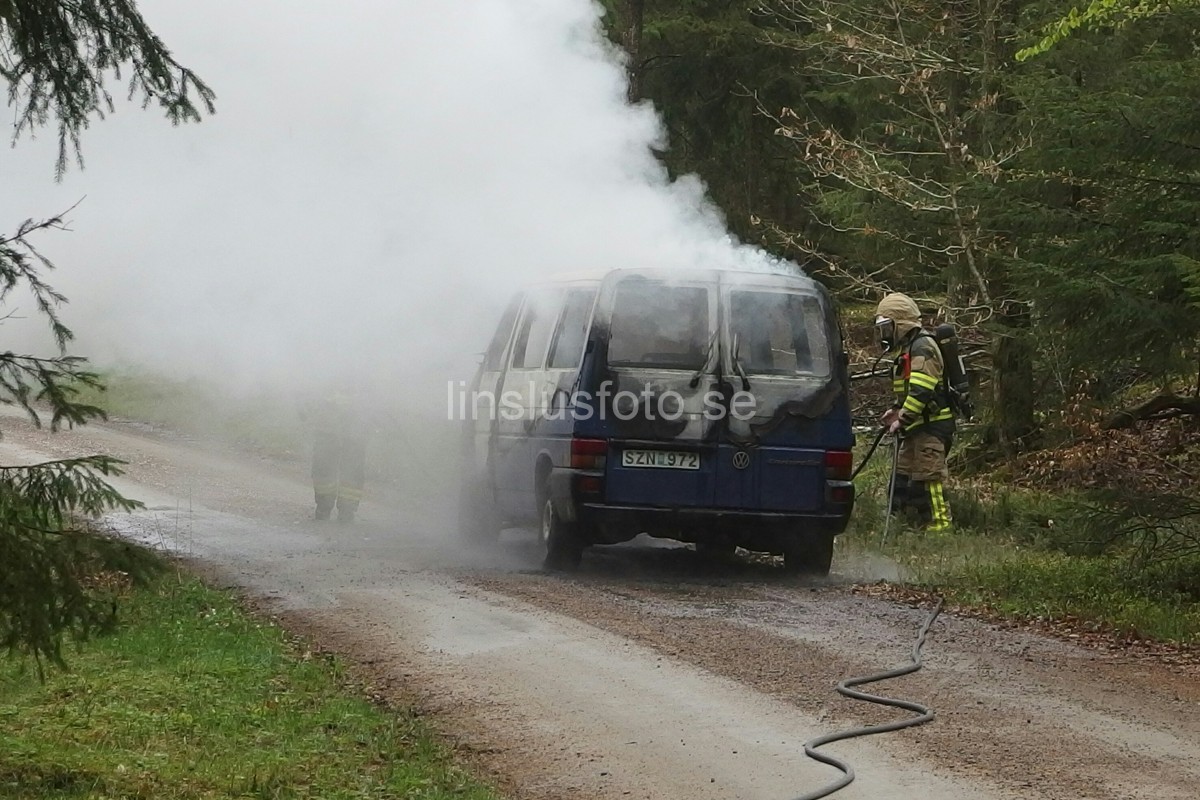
(741,459)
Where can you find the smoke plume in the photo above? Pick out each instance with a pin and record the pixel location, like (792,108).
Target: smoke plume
(378,180)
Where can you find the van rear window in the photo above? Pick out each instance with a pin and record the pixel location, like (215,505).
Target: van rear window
(658,325)
(779,333)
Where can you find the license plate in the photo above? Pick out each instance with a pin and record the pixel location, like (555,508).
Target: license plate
(662,459)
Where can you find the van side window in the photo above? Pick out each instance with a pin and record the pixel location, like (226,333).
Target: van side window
(533,332)
(567,350)
(493,360)
(779,333)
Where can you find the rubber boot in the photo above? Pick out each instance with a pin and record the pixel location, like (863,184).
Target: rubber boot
(939,509)
(324,507)
(346,510)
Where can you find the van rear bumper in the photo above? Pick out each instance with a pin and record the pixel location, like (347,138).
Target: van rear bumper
(604,523)
(754,530)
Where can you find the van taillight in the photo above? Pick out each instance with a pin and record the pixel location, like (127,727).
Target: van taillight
(588,453)
(838,465)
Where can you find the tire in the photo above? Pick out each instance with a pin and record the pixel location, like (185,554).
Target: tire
(561,543)
(478,521)
(810,554)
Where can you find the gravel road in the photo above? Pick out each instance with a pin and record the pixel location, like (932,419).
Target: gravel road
(653,673)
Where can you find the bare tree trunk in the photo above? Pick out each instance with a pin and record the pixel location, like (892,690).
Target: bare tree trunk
(1013,351)
(1012,376)
(632,22)
(1196,352)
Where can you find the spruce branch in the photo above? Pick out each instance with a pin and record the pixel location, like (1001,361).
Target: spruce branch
(57,57)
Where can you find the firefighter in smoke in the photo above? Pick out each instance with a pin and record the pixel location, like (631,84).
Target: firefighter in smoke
(921,416)
(339,456)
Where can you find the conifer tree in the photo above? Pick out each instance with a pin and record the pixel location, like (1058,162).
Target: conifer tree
(57,60)
(1105,206)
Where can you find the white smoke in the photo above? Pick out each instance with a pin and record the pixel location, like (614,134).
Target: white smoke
(381,175)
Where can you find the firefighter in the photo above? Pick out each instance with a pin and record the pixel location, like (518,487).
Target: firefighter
(921,416)
(339,452)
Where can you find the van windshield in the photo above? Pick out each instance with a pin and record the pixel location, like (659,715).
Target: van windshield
(779,333)
(659,325)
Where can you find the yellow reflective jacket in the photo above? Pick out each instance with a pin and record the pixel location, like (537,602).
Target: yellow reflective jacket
(921,394)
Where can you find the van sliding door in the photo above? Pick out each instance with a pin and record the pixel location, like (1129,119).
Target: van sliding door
(479,407)
(523,401)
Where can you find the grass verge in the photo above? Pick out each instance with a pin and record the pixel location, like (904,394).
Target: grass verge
(255,421)
(194,698)
(404,450)
(1025,555)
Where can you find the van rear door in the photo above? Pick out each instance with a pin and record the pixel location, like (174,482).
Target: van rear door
(779,354)
(658,335)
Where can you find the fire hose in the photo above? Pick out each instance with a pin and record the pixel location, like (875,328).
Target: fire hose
(845,688)
(866,459)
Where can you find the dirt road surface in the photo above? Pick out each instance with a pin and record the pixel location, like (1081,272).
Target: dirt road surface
(653,673)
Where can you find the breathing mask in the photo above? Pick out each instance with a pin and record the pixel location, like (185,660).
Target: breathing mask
(885,329)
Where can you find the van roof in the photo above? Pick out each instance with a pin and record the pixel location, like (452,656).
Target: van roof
(728,276)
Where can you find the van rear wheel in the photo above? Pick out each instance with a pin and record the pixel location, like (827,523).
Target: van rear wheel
(809,554)
(561,543)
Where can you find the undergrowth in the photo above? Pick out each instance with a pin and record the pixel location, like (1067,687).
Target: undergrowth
(1101,560)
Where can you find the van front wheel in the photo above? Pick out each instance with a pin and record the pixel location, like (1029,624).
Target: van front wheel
(561,542)
(809,554)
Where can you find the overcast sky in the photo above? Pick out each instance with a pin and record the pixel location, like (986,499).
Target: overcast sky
(379,177)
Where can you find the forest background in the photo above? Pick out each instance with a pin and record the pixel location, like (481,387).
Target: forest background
(1030,172)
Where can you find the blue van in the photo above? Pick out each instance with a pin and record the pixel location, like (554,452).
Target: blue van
(706,406)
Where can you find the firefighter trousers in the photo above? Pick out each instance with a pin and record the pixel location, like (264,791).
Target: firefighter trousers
(920,480)
(927,499)
(338,473)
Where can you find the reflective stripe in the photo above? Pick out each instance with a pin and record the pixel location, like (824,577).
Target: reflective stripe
(923,380)
(350,494)
(938,417)
(914,405)
(940,510)
(325,488)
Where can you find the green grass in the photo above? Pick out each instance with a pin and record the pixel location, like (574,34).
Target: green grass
(257,421)
(194,698)
(1025,554)
(267,422)
(1101,590)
